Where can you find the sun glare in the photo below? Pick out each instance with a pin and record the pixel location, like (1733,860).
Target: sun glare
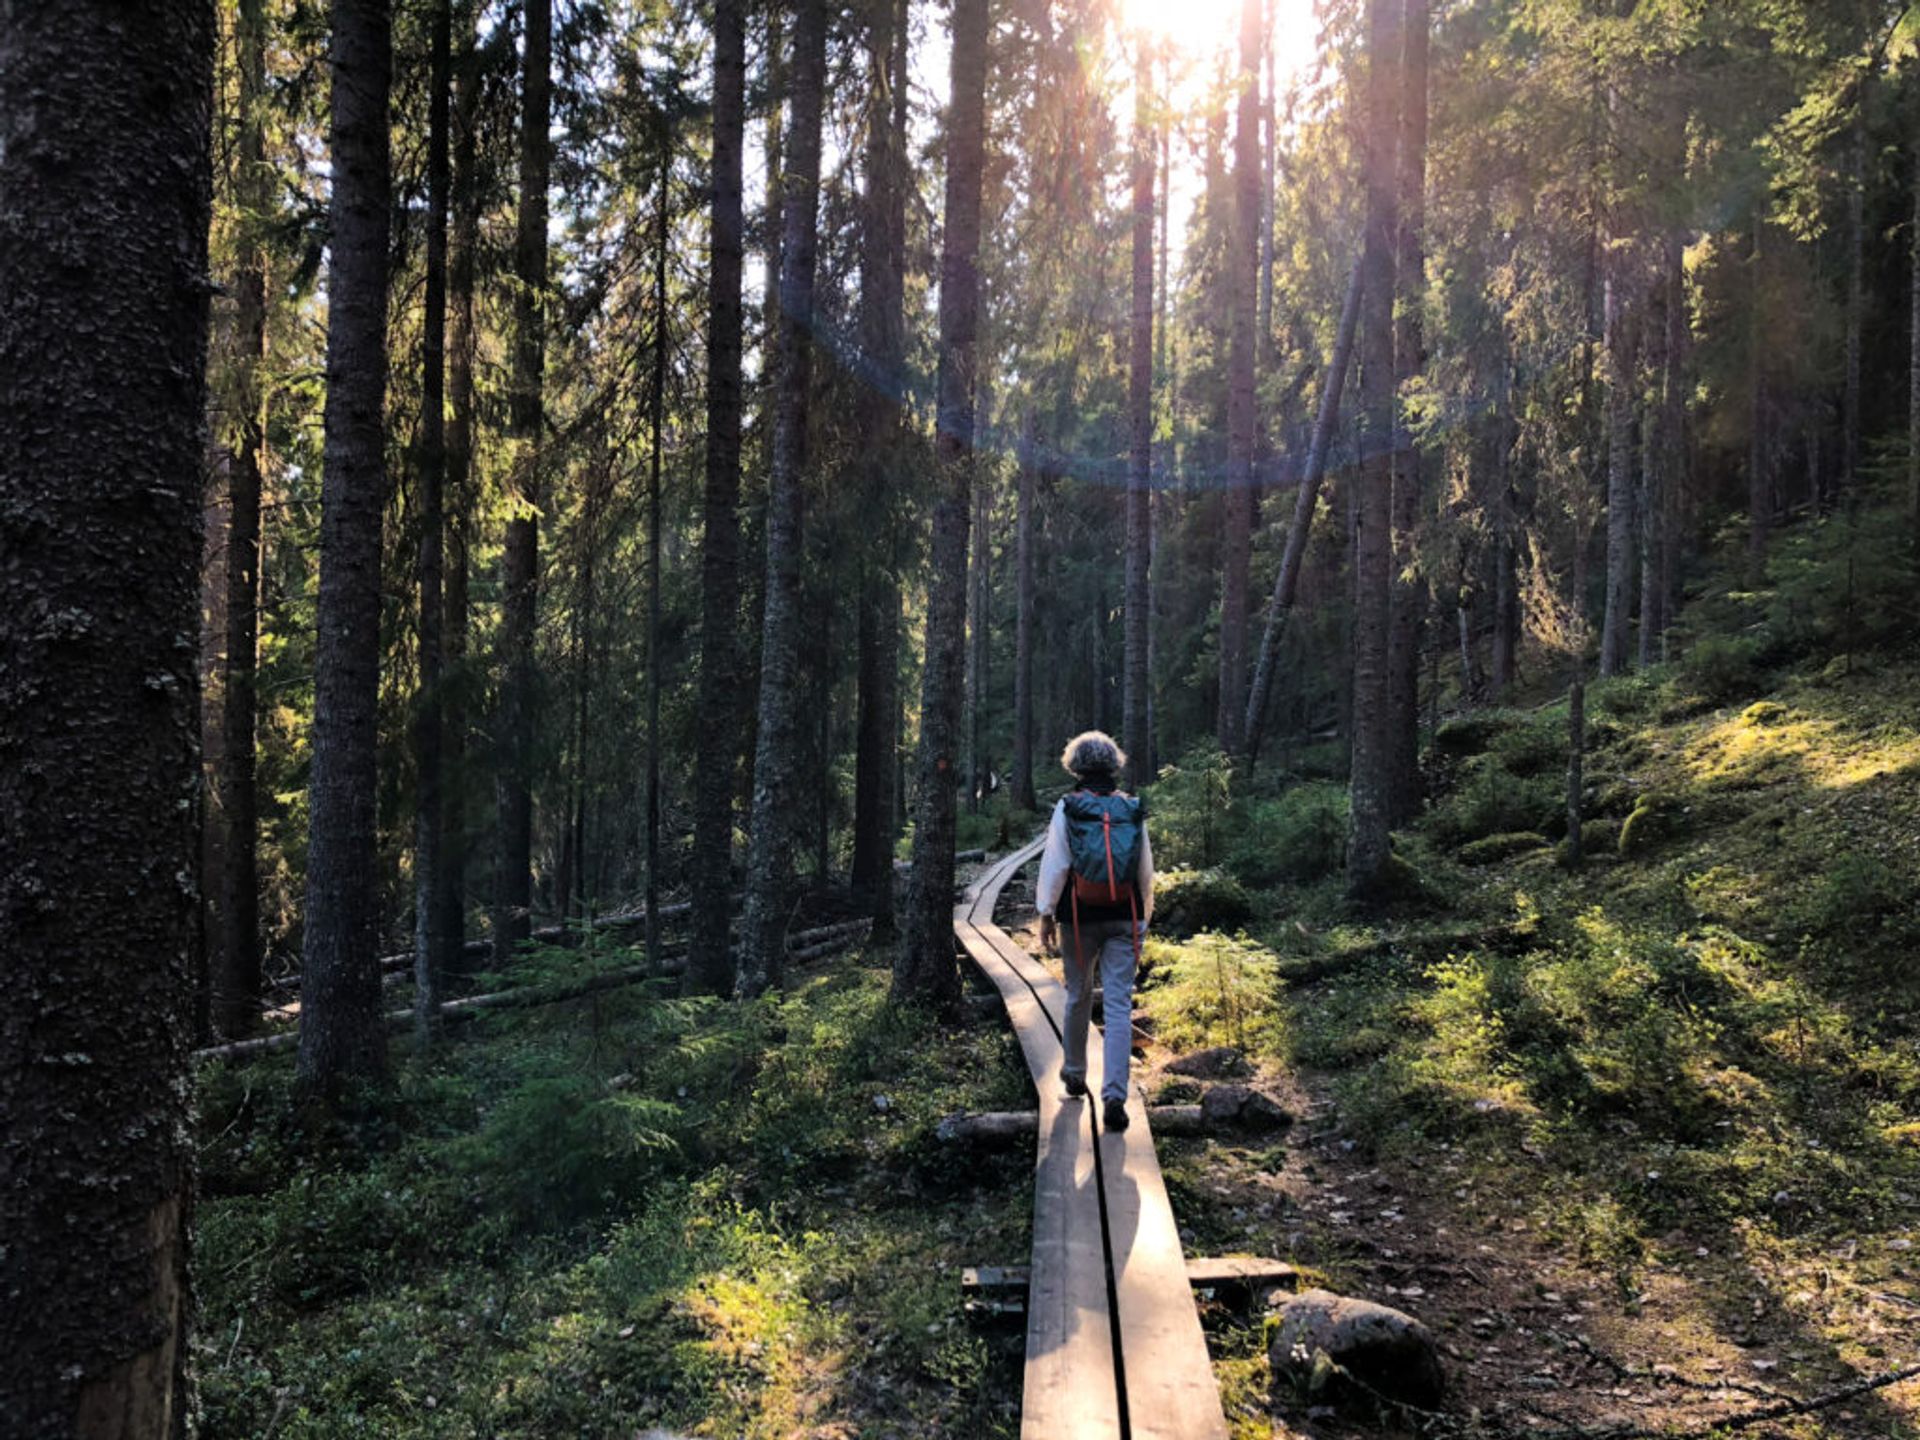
(1199,29)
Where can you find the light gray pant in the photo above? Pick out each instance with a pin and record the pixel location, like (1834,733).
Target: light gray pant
(1108,950)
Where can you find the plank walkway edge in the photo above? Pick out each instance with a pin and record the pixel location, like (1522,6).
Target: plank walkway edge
(1114,1345)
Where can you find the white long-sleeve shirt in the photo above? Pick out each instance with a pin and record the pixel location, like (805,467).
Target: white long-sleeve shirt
(1056,863)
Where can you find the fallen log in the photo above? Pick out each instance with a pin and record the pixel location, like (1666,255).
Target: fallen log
(547,934)
(813,944)
(1223,1108)
(1247,1274)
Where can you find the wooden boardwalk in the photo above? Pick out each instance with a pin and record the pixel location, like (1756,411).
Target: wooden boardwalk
(1114,1347)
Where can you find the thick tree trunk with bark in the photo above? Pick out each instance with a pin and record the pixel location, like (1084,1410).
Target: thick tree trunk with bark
(1139,613)
(431,945)
(105,126)
(235,977)
(924,968)
(341,1038)
(710,961)
(1287,582)
(883,336)
(1410,597)
(1620,341)
(1243,258)
(520,579)
(776,768)
(1368,848)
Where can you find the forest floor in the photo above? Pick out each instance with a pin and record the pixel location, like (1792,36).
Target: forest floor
(1636,1139)
(1639,1139)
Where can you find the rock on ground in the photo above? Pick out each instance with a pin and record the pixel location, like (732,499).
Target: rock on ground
(1386,1350)
(1244,1106)
(1216,1063)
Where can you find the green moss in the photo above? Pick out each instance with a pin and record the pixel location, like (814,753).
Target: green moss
(1187,902)
(1500,847)
(1655,819)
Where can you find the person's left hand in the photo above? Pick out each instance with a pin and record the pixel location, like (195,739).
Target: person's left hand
(1049,935)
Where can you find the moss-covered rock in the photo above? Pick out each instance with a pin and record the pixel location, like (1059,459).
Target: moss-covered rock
(1495,848)
(1186,902)
(1655,819)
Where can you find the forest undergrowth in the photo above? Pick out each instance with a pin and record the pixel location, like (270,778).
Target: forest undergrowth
(1659,1108)
(1662,1106)
(624,1212)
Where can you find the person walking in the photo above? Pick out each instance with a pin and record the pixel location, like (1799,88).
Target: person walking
(1098,862)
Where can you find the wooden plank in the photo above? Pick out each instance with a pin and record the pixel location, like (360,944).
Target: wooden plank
(1070,1387)
(1171,1390)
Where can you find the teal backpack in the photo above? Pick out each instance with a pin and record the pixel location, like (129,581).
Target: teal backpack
(1103,842)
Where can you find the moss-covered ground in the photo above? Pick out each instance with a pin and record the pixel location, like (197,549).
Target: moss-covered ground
(620,1213)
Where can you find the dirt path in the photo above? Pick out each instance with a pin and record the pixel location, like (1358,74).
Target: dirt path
(1536,1337)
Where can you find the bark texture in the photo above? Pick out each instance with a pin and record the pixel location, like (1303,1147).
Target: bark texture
(776,766)
(235,965)
(924,968)
(513,876)
(341,1038)
(105,170)
(883,337)
(1368,849)
(1139,610)
(1410,596)
(710,960)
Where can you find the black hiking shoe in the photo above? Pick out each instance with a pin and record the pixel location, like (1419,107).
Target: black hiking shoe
(1114,1117)
(1076,1087)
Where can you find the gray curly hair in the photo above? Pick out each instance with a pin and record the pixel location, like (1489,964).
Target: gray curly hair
(1092,752)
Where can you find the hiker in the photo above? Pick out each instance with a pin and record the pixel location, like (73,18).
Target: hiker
(1098,864)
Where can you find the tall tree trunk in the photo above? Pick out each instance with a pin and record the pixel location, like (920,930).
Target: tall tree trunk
(1139,614)
(1368,849)
(1287,582)
(1656,464)
(776,764)
(431,877)
(1856,295)
(235,989)
(1024,564)
(924,970)
(1506,579)
(710,967)
(883,336)
(1913,360)
(657,419)
(1673,424)
(105,125)
(1759,487)
(1410,594)
(458,686)
(1620,339)
(513,881)
(979,632)
(342,1037)
(1243,258)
